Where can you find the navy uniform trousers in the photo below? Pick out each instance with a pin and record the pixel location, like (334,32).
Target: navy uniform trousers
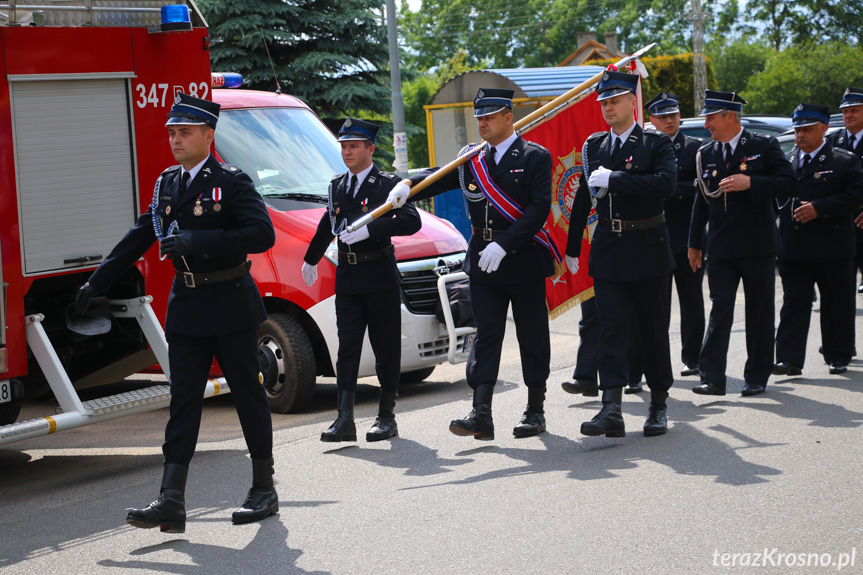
(191,359)
(840,140)
(587,356)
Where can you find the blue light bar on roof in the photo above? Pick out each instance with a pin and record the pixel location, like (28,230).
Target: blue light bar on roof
(225,80)
(175,17)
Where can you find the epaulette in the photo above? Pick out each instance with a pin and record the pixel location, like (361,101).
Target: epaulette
(756,135)
(706,144)
(535,145)
(844,152)
(230,169)
(388,175)
(171,169)
(696,138)
(652,132)
(336,177)
(595,135)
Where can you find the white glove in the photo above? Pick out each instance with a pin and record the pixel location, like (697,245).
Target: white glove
(490,257)
(310,274)
(399,195)
(355,236)
(572,264)
(599,177)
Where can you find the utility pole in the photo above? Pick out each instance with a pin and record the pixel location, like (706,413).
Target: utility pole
(400,140)
(699,63)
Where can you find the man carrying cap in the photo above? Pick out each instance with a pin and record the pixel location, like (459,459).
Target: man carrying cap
(508,192)
(628,172)
(817,232)
(367,279)
(739,174)
(207,217)
(849,139)
(665,116)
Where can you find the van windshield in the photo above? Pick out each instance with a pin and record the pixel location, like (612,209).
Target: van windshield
(288,152)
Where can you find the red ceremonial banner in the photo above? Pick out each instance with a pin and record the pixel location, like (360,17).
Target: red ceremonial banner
(564,136)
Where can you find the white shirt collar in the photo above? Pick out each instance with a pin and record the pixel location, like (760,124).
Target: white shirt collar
(361,177)
(501,148)
(194,171)
(733,141)
(623,137)
(811,154)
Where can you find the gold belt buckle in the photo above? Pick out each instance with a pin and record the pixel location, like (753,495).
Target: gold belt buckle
(352,258)
(189,279)
(617,226)
(487,234)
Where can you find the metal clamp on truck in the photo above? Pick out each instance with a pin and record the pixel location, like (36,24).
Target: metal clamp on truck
(81,123)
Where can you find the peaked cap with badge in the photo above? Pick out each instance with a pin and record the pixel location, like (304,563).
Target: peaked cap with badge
(715,101)
(809,114)
(613,84)
(190,111)
(490,101)
(358,130)
(664,103)
(852,97)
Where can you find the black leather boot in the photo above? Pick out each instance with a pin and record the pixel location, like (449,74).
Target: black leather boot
(343,428)
(385,425)
(585,387)
(609,421)
(657,423)
(262,500)
(533,421)
(168,512)
(478,422)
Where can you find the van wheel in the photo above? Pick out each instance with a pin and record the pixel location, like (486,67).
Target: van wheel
(287,364)
(416,375)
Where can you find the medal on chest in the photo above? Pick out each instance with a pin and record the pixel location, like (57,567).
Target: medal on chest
(217,198)
(198,210)
(365,204)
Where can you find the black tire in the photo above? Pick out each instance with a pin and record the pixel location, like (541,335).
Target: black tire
(416,375)
(287,363)
(10,410)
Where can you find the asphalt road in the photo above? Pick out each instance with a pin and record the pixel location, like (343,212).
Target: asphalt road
(768,483)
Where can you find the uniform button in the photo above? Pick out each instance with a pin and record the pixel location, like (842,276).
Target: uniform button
(516,180)
(614,194)
(491,221)
(616,215)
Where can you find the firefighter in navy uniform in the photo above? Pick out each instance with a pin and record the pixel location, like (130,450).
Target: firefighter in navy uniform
(508,260)
(817,232)
(665,116)
(367,278)
(849,139)
(739,174)
(630,172)
(208,217)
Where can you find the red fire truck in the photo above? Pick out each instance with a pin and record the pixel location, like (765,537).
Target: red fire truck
(84,93)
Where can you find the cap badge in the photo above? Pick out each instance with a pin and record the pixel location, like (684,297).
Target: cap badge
(348,123)
(604,76)
(799,107)
(847,91)
(177,98)
(480,94)
(664,96)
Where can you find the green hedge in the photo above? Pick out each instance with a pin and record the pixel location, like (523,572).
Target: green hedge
(672,74)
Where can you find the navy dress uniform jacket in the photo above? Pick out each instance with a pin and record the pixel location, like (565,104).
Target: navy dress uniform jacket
(222,237)
(524,174)
(635,193)
(742,223)
(678,208)
(833,183)
(373,275)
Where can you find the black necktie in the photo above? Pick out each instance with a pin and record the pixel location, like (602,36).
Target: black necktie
(727,154)
(806,159)
(186,177)
(851,143)
(490,157)
(353,191)
(616,149)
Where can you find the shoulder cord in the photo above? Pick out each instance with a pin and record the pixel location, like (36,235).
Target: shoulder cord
(157,220)
(471,196)
(702,185)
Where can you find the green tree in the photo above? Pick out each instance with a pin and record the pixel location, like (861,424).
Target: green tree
(330,53)
(817,74)
(734,63)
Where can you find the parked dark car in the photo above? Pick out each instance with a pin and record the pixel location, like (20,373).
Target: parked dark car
(771,125)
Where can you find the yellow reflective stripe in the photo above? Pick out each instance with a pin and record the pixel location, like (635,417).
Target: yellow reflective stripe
(216,387)
(51,424)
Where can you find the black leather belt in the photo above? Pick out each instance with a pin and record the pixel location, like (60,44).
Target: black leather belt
(487,234)
(632,225)
(353,258)
(193,280)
